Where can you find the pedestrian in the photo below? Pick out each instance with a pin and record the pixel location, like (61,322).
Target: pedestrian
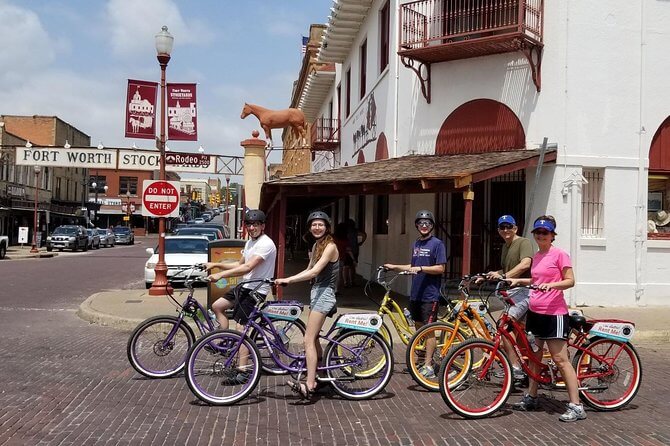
(347,262)
(516,260)
(429,257)
(323,267)
(257,262)
(548,317)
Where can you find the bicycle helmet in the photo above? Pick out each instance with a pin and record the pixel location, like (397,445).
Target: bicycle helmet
(318,215)
(423,214)
(254,215)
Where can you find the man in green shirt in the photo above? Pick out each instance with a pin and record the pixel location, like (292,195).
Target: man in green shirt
(516,259)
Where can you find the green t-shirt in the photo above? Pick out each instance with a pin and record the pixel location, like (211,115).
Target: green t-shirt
(513,253)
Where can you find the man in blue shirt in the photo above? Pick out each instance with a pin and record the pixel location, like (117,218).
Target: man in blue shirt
(429,257)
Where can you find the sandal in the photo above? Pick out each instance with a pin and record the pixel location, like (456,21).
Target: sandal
(301,389)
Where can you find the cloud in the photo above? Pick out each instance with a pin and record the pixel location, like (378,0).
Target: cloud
(26,46)
(131,22)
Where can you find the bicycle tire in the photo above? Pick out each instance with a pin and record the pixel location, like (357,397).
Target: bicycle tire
(464,390)
(622,377)
(413,355)
(209,368)
(175,351)
(346,380)
(295,345)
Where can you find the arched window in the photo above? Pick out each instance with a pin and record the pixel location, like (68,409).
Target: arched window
(478,126)
(382,150)
(658,200)
(361,158)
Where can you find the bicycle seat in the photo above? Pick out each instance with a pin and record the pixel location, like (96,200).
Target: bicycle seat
(578,322)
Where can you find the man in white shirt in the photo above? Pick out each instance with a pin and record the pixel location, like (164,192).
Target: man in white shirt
(257,262)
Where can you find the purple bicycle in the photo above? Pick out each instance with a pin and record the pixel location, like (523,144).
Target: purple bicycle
(159,345)
(224,366)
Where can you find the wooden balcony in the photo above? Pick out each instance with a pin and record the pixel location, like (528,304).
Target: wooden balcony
(325,134)
(434,31)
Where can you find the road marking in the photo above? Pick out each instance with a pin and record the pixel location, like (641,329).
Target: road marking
(37,309)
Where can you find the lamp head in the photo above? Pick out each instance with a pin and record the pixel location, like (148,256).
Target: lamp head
(94,185)
(67,144)
(164,42)
(37,169)
(106,188)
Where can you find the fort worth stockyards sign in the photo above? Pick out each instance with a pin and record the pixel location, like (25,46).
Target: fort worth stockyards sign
(121,159)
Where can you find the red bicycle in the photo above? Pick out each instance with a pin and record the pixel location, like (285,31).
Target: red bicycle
(476,376)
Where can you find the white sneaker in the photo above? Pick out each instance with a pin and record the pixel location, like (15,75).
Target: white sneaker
(573,413)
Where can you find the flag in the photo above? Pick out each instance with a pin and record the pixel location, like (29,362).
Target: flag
(304,45)
(141,109)
(182,112)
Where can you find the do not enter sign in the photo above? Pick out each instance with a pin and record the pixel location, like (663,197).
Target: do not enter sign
(160,198)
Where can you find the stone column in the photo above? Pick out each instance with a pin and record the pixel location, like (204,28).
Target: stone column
(254,169)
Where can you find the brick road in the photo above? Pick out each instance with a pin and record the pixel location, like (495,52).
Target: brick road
(67,382)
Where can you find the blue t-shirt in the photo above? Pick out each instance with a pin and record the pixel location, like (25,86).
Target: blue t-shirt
(429,252)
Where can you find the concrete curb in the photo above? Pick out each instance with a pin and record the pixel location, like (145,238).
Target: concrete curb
(88,313)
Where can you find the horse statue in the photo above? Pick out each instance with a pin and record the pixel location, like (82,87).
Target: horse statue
(277,119)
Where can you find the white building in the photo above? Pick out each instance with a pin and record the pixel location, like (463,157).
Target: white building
(496,78)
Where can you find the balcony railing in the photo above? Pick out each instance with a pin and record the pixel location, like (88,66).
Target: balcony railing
(325,134)
(441,30)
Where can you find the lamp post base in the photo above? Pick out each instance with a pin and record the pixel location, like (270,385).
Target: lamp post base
(161,286)
(34,250)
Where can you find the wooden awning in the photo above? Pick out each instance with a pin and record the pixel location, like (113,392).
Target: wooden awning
(405,175)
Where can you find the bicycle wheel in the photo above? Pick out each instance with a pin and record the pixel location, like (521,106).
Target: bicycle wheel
(610,383)
(214,372)
(293,339)
(415,354)
(482,386)
(153,352)
(358,353)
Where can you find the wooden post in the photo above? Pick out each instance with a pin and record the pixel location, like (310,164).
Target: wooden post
(281,254)
(468,198)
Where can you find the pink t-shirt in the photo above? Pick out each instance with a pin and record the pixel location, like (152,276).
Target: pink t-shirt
(548,267)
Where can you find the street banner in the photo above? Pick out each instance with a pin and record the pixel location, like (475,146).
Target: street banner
(141,109)
(181,111)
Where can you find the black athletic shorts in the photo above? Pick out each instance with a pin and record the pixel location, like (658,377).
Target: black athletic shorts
(548,326)
(243,308)
(424,312)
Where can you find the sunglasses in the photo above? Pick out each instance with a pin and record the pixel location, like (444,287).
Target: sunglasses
(505,227)
(541,232)
(425,223)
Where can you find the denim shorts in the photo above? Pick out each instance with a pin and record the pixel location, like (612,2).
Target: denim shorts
(322,299)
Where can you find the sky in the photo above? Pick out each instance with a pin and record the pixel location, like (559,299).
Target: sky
(72,59)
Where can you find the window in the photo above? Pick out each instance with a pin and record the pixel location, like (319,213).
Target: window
(363,67)
(592,203)
(381,217)
(347,104)
(384,38)
(360,212)
(127,184)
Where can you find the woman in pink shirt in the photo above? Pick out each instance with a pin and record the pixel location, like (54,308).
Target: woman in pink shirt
(548,317)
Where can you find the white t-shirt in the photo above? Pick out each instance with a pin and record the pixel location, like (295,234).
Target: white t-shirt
(264,248)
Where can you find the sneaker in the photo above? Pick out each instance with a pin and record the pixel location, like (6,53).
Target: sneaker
(517,374)
(237,379)
(573,413)
(527,403)
(427,372)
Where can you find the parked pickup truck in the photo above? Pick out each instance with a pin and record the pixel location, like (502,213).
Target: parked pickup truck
(4,244)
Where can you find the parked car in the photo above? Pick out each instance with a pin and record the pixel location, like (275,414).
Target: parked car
(106,237)
(123,235)
(210,233)
(93,238)
(199,221)
(206,216)
(4,244)
(71,237)
(224,229)
(181,253)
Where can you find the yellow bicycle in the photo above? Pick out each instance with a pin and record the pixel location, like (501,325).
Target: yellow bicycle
(464,321)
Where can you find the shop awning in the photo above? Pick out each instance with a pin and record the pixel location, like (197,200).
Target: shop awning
(404,175)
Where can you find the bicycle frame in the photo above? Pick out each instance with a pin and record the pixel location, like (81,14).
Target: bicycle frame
(391,308)
(522,349)
(274,341)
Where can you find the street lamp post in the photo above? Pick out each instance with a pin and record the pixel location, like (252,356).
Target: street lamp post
(227,215)
(164,42)
(128,211)
(35,249)
(94,185)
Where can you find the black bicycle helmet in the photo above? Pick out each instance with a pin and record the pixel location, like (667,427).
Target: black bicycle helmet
(424,214)
(318,215)
(254,215)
